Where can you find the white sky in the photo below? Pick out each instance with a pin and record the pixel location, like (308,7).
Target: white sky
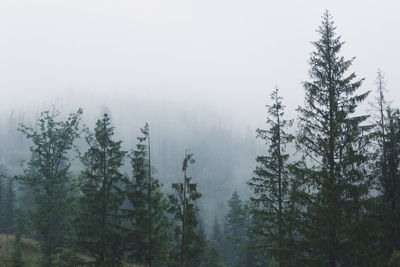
(224,55)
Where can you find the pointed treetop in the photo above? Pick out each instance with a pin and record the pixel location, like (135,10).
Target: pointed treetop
(188,160)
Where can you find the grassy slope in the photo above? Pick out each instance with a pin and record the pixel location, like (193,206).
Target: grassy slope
(30,251)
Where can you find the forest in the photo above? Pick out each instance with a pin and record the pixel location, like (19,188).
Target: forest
(325,190)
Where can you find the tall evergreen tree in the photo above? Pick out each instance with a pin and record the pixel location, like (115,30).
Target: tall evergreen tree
(251,254)
(386,170)
(335,141)
(98,224)
(148,239)
(184,207)
(234,230)
(52,140)
(390,183)
(270,185)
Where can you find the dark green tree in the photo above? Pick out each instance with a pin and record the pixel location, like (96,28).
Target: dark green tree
(335,143)
(52,140)
(389,183)
(386,170)
(98,225)
(270,185)
(148,237)
(234,230)
(251,254)
(183,204)
(212,256)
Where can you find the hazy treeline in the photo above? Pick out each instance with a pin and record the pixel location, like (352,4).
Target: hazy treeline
(335,203)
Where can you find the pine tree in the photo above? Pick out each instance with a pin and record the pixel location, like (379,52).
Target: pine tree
(386,169)
(335,141)
(251,254)
(270,185)
(212,256)
(148,239)
(98,224)
(183,206)
(390,183)
(234,230)
(52,140)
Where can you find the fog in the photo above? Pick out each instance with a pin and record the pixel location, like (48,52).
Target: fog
(199,72)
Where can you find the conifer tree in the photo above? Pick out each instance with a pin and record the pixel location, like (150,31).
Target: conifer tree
(212,256)
(386,169)
(335,141)
(251,254)
(184,207)
(148,239)
(390,183)
(52,140)
(234,230)
(270,185)
(98,224)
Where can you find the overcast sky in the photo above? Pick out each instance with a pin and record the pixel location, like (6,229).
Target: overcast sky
(222,55)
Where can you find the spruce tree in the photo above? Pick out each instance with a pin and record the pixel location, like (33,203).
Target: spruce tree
(270,185)
(98,225)
(52,139)
(386,170)
(183,204)
(234,230)
(390,183)
(251,254)
(335,141)
(148,237)
(212,256)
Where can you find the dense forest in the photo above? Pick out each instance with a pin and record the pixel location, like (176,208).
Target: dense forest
(325,190)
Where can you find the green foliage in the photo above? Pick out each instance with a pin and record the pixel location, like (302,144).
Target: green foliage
(271,186)
(234,230)
(52,140)
(7,203)
(148,235)
(212,256)
(98,223)
(16,257)
(9,207)
(386,169)
(335,142)
(183,206)
(217,235)
(395,259)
